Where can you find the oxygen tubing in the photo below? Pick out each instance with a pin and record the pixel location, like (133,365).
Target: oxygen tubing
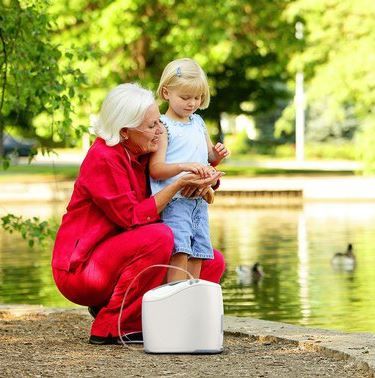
(127,291)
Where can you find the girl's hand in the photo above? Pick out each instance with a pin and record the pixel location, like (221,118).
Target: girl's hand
(202,170)
(220,151)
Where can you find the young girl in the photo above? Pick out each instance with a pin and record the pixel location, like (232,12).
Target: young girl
(185,147)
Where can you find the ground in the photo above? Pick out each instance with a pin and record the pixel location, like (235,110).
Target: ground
(55,345)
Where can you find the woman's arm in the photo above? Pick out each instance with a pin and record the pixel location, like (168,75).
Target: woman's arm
(190,180)
(160,170)
(110,189)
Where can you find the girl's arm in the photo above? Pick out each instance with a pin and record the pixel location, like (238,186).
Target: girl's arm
(160,170)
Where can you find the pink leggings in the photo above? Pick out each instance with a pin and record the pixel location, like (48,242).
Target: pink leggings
(104,278)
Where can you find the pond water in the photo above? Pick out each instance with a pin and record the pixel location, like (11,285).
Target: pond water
(293,245)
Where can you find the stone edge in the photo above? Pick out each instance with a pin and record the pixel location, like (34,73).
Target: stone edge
(357,349)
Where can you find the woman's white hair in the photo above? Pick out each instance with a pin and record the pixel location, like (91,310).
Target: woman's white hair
(124,107)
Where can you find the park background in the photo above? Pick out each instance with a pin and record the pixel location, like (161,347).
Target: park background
(58,59)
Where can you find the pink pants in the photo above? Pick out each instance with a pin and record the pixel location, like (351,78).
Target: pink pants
(103,280)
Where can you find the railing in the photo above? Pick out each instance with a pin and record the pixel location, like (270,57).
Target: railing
(258,198)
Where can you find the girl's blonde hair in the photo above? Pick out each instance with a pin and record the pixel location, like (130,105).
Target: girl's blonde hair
(124,106)
(188,75)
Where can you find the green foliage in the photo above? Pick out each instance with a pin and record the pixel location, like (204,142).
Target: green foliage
(365,145)
(337,56)
(238,143)
(37,75)
(33,230)
(316,151)
(330,151)
(243,47)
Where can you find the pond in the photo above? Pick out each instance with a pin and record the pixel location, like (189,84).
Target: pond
(293,245)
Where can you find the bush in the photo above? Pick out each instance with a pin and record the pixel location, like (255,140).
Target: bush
(343,150)
(365,143)
(237,143)
(334,151)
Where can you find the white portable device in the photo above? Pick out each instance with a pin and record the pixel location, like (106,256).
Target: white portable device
(183,317)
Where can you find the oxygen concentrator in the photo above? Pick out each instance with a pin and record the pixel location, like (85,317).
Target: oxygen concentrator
(183,317)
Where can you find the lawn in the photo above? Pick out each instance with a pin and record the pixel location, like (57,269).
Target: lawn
(62,172)
(38,173)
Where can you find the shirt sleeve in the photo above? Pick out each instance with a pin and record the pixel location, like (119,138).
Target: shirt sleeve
(216,186)
(110,189)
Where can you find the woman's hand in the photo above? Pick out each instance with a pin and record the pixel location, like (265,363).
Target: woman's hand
(200,188)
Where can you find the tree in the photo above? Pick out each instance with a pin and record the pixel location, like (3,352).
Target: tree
(338,59)
(242,45)
(33,79)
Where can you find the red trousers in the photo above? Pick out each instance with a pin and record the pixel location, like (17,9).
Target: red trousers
(104,278)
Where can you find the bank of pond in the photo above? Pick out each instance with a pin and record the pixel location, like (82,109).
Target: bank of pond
(294,246)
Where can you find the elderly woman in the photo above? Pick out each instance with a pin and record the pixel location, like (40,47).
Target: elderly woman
(112,230)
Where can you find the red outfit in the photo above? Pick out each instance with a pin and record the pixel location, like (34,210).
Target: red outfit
(111,232)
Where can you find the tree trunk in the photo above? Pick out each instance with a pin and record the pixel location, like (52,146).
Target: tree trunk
(1,136)
(220,134)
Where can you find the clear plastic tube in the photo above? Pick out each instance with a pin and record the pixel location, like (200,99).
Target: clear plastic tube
(127,291)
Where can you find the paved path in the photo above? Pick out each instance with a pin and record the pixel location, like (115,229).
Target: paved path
(60,341)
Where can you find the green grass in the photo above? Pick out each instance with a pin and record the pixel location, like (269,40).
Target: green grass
(38,173)
(50,173)
(232,170)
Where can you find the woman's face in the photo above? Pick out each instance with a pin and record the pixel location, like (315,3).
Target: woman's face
(144,139)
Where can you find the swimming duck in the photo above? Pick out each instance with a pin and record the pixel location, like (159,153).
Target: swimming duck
(344,260)
(247,274)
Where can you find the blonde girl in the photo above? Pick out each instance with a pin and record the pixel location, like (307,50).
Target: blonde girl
(185,147)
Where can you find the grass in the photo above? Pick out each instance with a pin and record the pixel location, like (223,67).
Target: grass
(38,173)
(50,173)
(246,171)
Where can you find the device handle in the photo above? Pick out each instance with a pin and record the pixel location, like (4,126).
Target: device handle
(127,291)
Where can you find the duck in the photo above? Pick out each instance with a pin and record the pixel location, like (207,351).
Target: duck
(247,274)
(344,260)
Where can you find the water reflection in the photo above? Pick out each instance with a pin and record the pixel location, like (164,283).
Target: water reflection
(25,274)
(294,247)
(303,269)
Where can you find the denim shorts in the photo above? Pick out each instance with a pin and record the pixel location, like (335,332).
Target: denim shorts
(188,219)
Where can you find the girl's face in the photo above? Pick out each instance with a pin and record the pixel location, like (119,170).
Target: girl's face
(182,103)
(144,139)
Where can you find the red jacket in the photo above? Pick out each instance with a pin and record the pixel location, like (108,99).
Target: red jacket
(111,194)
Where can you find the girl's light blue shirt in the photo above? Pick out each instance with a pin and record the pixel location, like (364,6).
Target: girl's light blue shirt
(186,144)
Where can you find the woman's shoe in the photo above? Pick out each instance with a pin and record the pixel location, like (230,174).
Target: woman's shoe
(128,338)
(100,340)
(93,311)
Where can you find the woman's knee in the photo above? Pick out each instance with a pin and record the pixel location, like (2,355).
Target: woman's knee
(160,237)
(219,261)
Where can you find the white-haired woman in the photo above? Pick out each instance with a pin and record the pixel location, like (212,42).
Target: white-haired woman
(112,230)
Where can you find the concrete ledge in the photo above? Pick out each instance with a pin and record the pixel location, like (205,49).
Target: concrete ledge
(356,348)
